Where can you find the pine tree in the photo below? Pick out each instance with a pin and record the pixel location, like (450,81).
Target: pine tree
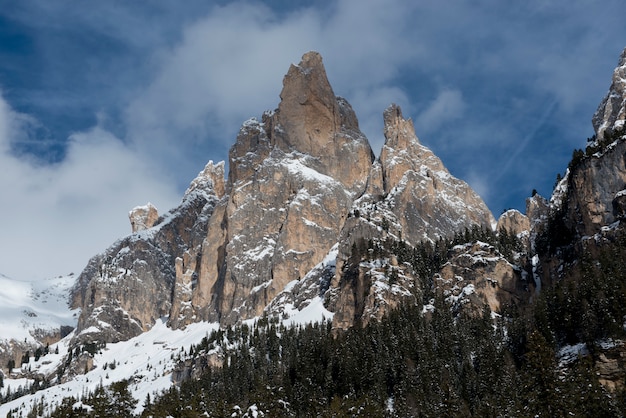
(100,401)
(122,401)
(541,380)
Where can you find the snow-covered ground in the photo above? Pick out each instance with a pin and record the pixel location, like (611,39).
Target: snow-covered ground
(29,306)
(147,360)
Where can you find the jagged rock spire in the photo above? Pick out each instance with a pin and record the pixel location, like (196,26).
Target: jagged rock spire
(317,123)
(308,111)
(411,196)
(293,177)
(232,247)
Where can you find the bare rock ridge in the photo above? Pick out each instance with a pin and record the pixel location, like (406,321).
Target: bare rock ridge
(124,290)
(143,217)
(286,212)
(428,201)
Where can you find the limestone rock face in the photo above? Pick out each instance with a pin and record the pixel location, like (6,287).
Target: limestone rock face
(369,289)
(477,275)
(428,201)
(513,221)
(143,217)
(302,189)
(610,366)
(209,181)
(410,197)
(537,210)
(593,186)
(313,121)
(619,205)
(611,113)
(289,194)
(123,291)
(594,182)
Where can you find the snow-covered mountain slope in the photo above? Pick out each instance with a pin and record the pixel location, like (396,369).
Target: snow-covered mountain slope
(147,361)
(30,308)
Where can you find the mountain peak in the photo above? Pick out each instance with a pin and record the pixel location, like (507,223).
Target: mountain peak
(312,60)
(310,122)
(398,131)
(308,112)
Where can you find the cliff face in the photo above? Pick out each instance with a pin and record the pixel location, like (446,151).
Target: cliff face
(410,197)
(596,183)
(282,226)
(477,275)
(289,193)
(611,113)
(579,235)
(124,290)
(594,189)
(427,200)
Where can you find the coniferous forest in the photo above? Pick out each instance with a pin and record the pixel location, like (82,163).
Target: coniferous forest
(415,361)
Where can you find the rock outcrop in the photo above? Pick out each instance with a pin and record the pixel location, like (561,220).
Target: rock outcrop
(289,194)
(143,217)
(410,197)
(365,290)
(593,185)
(516,223)
(513,221)
(582,221)
(611,113)
(610,365)
(427,200)
(596,179)
(477,275)
(123,291)
(297,180)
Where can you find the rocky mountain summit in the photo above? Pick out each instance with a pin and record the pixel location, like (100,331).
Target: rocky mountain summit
(297,180)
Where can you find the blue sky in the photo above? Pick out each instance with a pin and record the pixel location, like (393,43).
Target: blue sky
(109,105)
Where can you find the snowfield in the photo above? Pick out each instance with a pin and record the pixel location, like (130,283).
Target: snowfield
(26,307)
(147,360)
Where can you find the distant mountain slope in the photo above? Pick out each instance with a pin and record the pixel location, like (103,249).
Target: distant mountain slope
(28,308)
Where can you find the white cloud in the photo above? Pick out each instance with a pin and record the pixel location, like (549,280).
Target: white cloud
(225,68)
(480,184)
(53,218)
(446,107)
(229,65)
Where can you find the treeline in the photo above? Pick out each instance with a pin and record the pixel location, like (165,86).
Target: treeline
(427,258)
(589,304)
(412,362)
(408,364)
